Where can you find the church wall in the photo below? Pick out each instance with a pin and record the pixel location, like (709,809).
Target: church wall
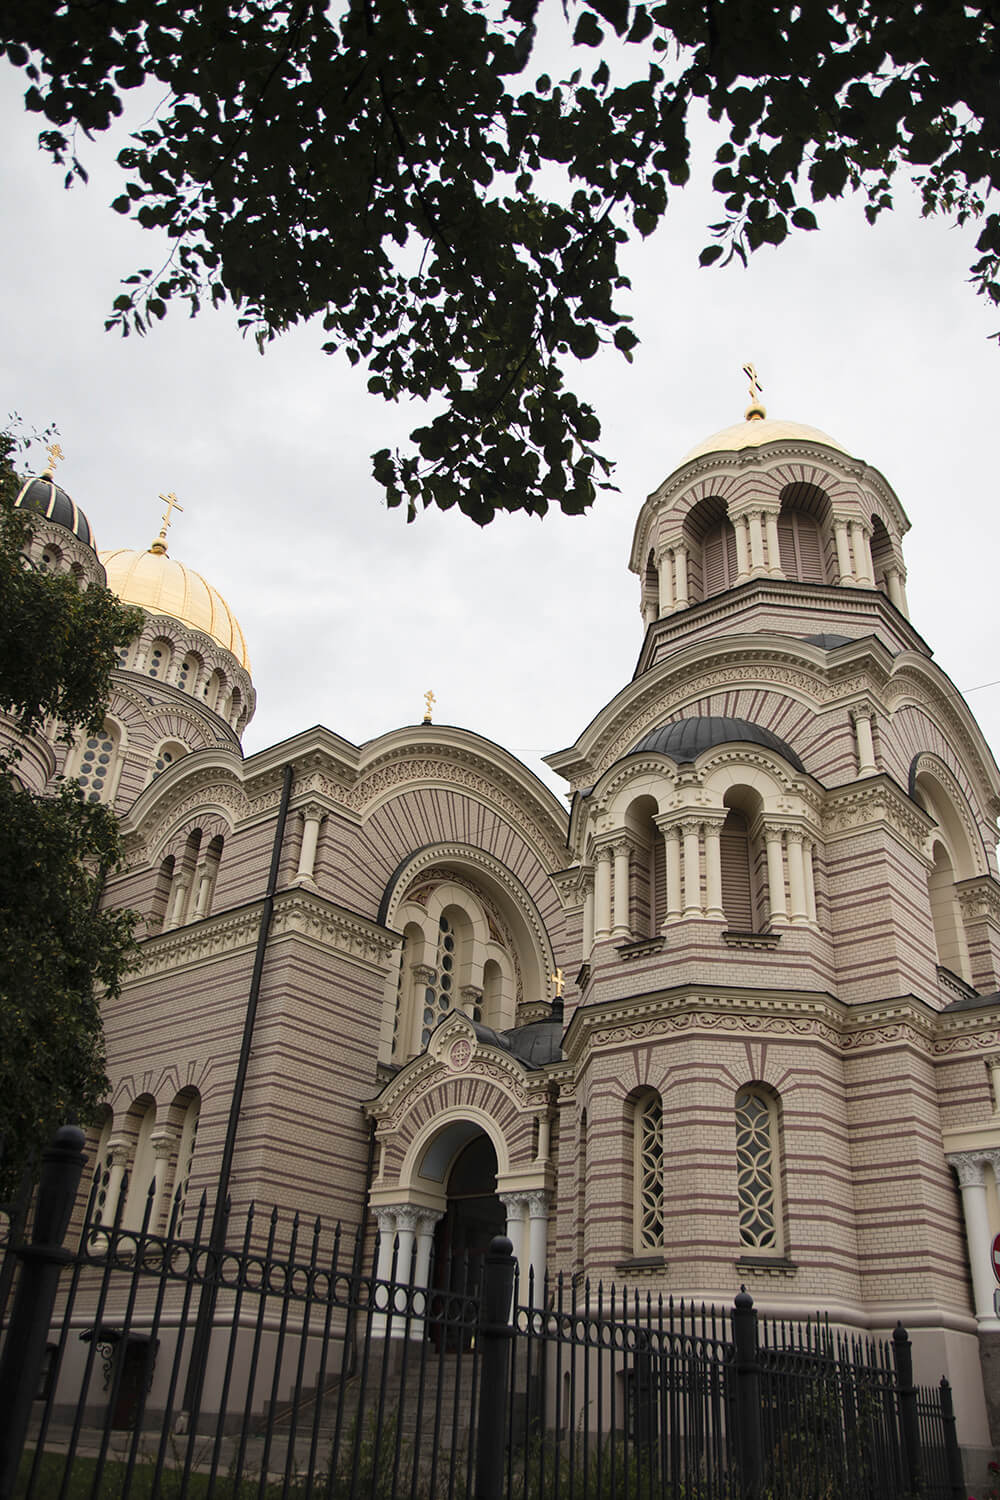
(303,1142)
(697,1074)
(880,917)
(911,1238)
(962,1083)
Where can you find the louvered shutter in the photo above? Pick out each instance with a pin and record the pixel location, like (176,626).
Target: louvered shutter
(810,548)
(713,563)
(734,850)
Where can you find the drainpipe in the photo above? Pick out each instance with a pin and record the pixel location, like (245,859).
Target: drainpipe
(220,1213)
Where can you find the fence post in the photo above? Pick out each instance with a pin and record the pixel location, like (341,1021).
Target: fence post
(41,1262)
(749,1433)
(495,1334)
(952,1452)
(906,1391)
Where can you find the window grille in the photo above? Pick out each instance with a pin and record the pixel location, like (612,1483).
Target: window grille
(755,1171)
(649,1172)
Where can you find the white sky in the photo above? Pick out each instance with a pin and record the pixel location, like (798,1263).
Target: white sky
(524,629)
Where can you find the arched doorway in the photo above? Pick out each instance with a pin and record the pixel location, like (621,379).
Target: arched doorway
(473,1217)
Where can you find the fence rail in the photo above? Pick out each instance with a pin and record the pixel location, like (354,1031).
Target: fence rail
(136,1365)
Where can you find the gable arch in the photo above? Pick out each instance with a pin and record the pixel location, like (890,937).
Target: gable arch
(937,790)
(498,883)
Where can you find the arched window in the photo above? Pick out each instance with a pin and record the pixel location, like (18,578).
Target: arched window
(651,590)
(167,754)
(803,522)
(98,765)
(758,1171)
(883,558)
(187,677)
(647,868)
(160,904)
(158,660)
(581,1192)
(718,559)
(949,930)
(143,1121)
(648,1171)
(104,1211)
(185,1159)
(743,860)
(214,691)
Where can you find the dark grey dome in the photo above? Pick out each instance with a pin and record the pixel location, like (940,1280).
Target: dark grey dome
(44,497)
(536,1044)
(686,739)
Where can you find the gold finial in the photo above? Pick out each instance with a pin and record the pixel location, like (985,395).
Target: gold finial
(55,456)
(429,701)
(170,500)
(756,411)
(558,981)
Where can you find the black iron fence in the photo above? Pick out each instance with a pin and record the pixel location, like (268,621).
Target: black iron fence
(318,1377)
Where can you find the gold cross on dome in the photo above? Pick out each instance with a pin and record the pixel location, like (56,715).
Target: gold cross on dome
(429,700)
(558,981)
(755,385)
(55,456)
(170,500)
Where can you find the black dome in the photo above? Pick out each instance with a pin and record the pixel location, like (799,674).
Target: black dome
(44,497)
(686,739)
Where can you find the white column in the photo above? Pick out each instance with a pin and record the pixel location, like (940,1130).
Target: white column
(119,1153)
(844,566)
(178,902)
(602,892)
(681,576)
(406,1234)
(775,874)
(162,1140)
(665,572)
(621,928)
(672,868)
(993,1064)
(588,915)
(807,871)
(969,1169)
(742,549)
(692,868)
(773,545)
(864,572)
(796,875)
(538,1234)
(386,1218)
(313,815)
(896,585)
(516,1208)
(713,870)
(865,742)
(426,1219)
(756,543)
(544,1134)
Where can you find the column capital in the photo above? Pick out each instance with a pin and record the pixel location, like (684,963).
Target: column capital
(538,1203)
(691,825)
(620,844)
(163,1141)
(313,812)
(119,1151)
(514,1200)
(603,854)
(407,1216)
(423,973)
(968,1167)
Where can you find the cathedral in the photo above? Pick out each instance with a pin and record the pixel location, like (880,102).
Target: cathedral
(733,1017)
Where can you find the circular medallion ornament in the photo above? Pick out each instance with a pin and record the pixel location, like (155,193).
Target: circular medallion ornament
(460,1054)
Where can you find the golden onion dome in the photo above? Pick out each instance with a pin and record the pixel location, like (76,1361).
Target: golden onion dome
(163,586)
(757,431)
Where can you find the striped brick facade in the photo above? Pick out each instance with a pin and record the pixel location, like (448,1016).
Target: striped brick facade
(593,966)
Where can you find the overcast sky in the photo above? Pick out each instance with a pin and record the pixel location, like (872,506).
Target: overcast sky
(524,629)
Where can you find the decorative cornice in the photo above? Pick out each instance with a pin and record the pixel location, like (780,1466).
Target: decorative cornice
(871,801)
(979,897)
(297,913)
